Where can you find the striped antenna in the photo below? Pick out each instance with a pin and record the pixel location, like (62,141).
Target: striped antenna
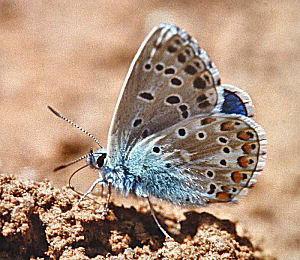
(75,125)
(70,163)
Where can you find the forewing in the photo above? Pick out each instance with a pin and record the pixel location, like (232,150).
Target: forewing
(199,160)
(170,79)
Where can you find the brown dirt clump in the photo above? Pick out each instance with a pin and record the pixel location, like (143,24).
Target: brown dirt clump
(40,221)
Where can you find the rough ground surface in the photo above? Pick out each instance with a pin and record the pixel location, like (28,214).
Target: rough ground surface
(39,221)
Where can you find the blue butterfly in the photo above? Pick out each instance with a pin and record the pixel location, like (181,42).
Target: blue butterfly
(177,133)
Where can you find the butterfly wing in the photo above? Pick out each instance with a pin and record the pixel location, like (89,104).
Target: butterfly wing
(236,101)
(170,79)
(199,160)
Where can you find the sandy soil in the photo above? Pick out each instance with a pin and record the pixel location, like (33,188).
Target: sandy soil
(74,55)
(38,221)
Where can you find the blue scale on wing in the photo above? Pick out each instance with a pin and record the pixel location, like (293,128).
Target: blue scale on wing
(233,104)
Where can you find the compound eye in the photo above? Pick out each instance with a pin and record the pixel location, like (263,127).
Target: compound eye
(100,160)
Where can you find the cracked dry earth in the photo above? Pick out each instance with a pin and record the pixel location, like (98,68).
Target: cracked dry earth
(38,221)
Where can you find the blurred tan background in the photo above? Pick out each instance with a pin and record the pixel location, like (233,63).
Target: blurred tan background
(74,55)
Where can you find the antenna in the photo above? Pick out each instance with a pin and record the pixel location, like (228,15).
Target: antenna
(70,178)
(70,163)
(77,126)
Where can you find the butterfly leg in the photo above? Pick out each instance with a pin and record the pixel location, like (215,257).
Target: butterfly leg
(102,182)
(157,222)
(107,200)
(91,189)
(102,189)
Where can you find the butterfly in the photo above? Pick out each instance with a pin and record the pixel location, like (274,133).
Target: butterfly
(177,133)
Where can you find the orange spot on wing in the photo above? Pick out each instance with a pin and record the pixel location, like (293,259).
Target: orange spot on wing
(223,195)
(243,136)
(247,148)
(237,177)
(207,120)
(243,161)
(225,188)
(227,126)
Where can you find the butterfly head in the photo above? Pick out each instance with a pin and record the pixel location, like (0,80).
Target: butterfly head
(97,159)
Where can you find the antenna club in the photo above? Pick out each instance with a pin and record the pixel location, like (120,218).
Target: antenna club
(59,168)
(54,112)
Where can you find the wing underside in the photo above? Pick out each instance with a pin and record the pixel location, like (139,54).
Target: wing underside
(170,79)
(203,159)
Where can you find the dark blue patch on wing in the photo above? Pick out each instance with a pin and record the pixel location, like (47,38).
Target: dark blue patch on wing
(233,104)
